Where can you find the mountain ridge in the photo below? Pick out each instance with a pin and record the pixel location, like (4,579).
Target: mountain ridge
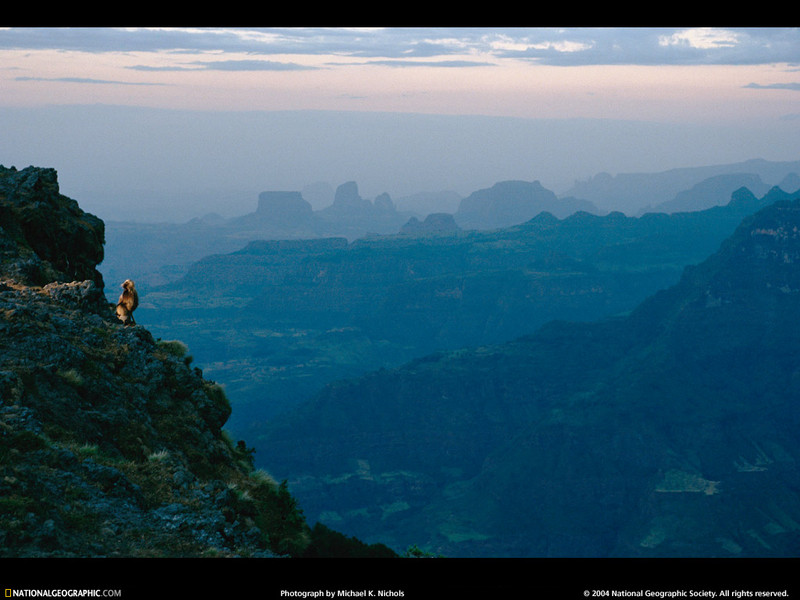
(278,319)
(626,192)
(680,440)
(507,202)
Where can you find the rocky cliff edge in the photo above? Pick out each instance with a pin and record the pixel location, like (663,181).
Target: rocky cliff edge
(111,442)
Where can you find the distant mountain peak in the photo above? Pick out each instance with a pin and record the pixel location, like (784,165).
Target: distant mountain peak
(513,202)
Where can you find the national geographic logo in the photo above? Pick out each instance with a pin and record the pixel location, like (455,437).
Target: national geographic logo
(59,593)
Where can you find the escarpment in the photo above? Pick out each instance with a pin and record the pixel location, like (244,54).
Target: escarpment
(111,441)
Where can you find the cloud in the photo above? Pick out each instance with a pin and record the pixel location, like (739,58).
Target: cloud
(82,80)
(439,63)
(657,46)
(228,65)
(560,47)
(794,86)
(703,38)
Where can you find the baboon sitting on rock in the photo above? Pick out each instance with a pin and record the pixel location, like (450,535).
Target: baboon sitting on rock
(127,303)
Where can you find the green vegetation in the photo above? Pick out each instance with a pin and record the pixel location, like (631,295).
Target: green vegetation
(174,348)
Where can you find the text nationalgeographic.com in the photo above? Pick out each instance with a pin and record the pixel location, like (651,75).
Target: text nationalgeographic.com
(63,593)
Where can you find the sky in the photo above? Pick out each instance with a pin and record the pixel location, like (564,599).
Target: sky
(169,123)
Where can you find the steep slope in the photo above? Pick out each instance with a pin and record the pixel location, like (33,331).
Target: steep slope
(111,443)
(670,432)
(689,445)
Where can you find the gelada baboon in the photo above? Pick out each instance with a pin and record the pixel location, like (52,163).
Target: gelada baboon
(128,301)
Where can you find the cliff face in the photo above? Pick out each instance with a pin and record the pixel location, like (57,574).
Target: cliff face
(111,443)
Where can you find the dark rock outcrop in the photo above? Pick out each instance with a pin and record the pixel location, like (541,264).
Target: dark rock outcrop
(45,236)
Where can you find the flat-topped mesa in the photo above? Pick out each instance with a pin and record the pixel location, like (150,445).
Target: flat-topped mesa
(284,207)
